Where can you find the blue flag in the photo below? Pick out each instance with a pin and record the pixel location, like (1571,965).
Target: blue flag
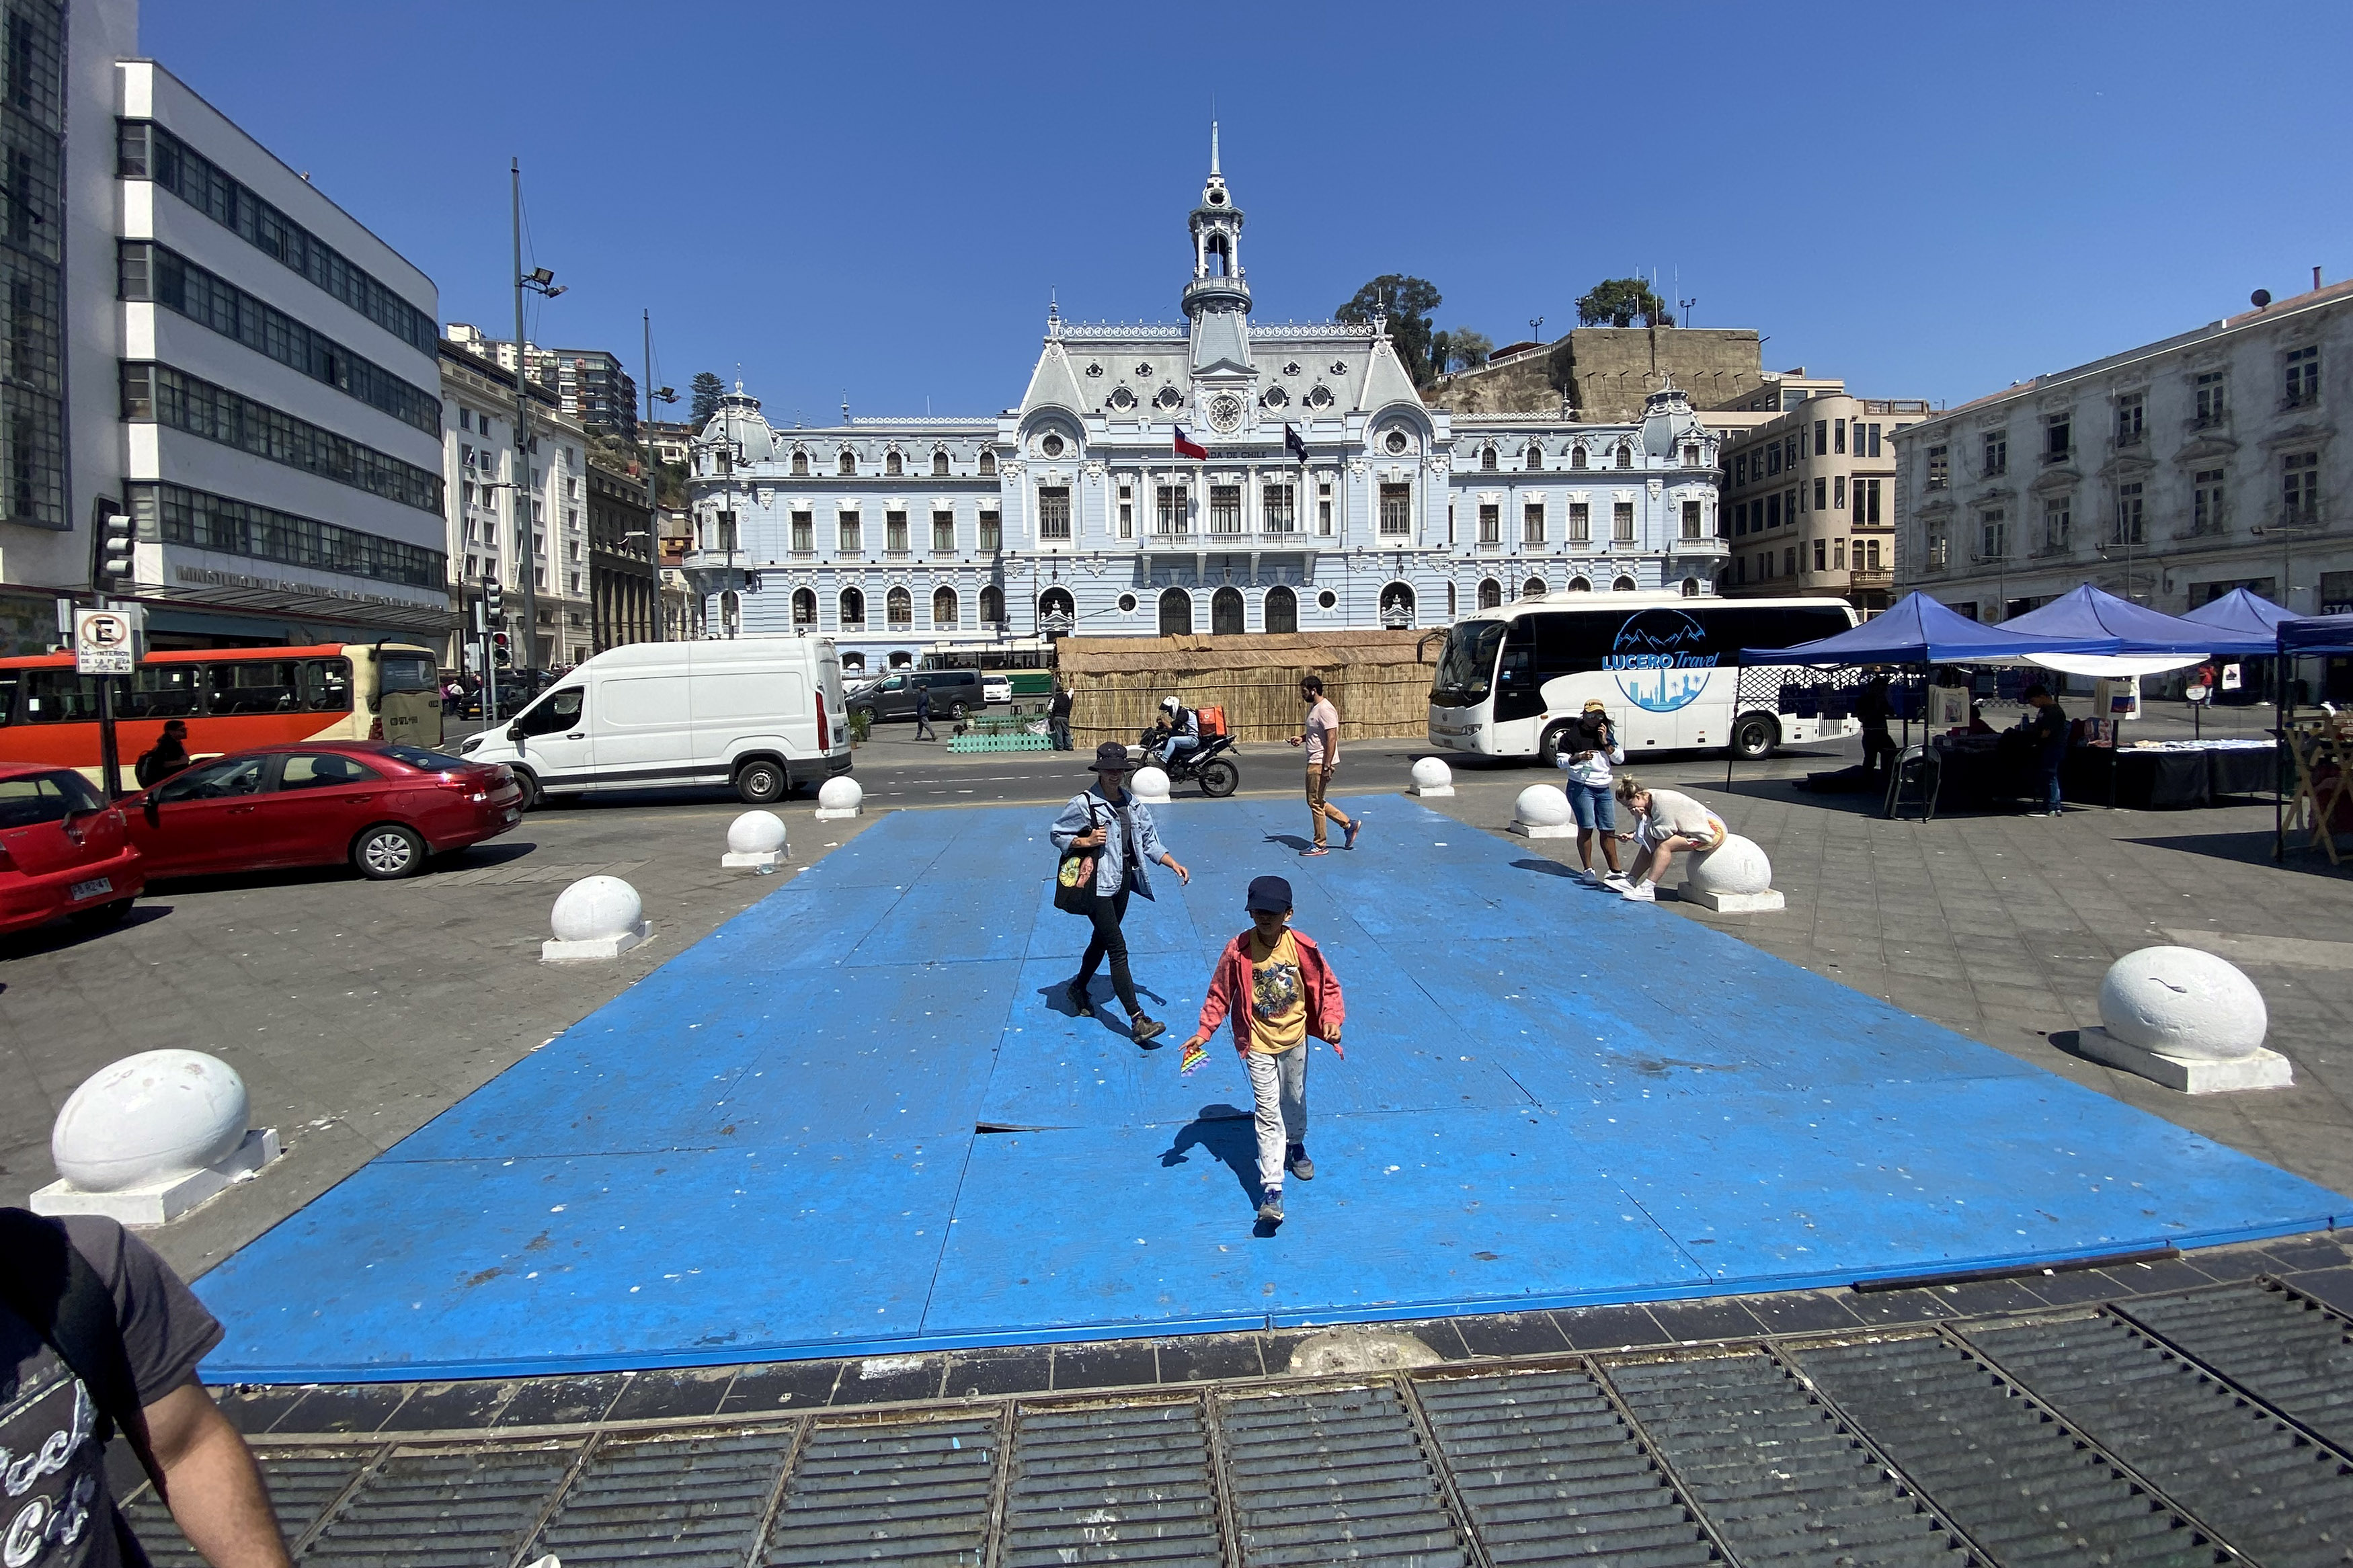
(1291,439)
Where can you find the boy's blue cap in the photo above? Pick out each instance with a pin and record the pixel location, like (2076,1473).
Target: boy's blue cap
(1269,893)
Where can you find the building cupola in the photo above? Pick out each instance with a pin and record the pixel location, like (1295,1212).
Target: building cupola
(1219,284)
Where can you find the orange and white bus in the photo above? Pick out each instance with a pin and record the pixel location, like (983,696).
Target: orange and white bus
(230,699)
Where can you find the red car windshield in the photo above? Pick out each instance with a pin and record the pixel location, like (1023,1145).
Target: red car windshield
(44,797)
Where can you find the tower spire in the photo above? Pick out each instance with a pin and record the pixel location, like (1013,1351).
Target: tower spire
(1213,146)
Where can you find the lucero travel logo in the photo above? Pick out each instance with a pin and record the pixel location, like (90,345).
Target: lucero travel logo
(1659,660)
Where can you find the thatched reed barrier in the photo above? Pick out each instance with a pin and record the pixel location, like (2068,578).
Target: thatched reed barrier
(1378,679)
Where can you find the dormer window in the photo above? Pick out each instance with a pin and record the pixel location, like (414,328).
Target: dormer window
(849,461)
(1625,455)
(988,463)
(1535,458)
(1486,460)
(800,464)
(1577,457)
(891,465)
(939,465)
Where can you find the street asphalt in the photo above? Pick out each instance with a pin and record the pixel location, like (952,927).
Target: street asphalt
(357,1011)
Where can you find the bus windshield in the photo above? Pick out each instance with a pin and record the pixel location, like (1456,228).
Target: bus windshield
(1466,670)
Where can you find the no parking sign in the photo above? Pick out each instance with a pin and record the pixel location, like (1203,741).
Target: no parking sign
(105,642)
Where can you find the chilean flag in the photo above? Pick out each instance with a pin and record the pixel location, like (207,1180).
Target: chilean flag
(1188,447)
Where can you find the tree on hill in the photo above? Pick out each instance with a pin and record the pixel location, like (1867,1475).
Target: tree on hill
(1620,302)
(1468,350)
(707,390)
(1407,302)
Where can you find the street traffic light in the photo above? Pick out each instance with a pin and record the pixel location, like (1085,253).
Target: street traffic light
(116,543)
(499,646)
(490,597)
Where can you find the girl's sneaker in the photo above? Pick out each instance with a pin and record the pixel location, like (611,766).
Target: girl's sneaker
(1641,892)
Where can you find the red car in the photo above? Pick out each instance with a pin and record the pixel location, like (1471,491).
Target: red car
(63,851)
(382,805)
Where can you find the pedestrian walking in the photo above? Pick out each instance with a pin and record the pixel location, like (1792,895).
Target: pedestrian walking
(1586,752)
(1275,985)
(1106,836)
(1321,739)
(2044,726)
(1665,822)
(167,756)
(102,1338)
(1057,715)
(924,711)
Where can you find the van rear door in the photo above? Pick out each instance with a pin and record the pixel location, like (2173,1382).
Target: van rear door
(834,732)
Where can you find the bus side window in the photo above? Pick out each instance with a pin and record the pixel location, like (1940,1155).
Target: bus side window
(59,697)
(10,680)
(252,686)
(327,686)
(159,691)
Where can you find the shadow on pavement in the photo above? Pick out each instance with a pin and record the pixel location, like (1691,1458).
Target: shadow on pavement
(60,935)
(2255,849)
(1229,1133)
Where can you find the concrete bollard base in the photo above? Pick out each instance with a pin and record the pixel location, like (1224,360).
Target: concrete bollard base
(825,815)
(1433,793)
(1734,903)
(556,951)
(1542,829)
(759,860)
(168,1196)
(2262,1070)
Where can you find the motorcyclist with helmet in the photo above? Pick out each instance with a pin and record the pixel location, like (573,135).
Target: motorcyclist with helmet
(1183,730)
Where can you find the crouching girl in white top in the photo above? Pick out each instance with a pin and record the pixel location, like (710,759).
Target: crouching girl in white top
(1664,822)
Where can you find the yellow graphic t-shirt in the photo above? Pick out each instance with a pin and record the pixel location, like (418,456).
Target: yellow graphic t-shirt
(1278,1001)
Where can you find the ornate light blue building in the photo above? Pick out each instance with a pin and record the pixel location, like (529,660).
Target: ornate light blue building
(1329,497)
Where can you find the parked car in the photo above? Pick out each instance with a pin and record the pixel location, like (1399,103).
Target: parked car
(955,693)
(381,806)
(765,714)
(995,687)
(63,851)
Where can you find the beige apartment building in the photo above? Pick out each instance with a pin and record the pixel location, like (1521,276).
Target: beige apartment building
(1808,503)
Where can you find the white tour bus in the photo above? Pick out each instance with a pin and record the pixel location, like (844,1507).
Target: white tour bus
(1668,669)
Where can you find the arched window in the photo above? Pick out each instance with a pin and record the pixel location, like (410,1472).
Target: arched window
(853,609)
(1491,593)
(992,605)
(1577,457)
(1281,610)
(1536,457)
(1223,262)
(1486,460)
(988,463)
(800,464)
(853,661)
(1691,587)
(1449,601)
(1534,588)
(891,465)
(849,461)
(1055,611)
(803,606)
(898,607)
(944,609)
(1625,455)
(1397,605)
(1623,585)
(1579,585)
(1176,612)
(1226,613)
(902,660)
(939,465)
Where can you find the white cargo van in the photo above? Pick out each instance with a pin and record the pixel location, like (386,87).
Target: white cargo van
(763,714)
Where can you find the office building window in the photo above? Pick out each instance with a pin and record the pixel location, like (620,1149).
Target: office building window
(1993,535)
(1622,523)
(1397,511)
(1489,522)
(2132,413)
(1996,452)
(2057,518)
(1691,519)
(1838,492)
(992,535)
(1175,514)
(894,532)
(1821,438)
(1869,491)
(1837,554)
(1872,546)
(1821,554)
(803,533)
(1281,515)
(2211,390)
(1773,511)
(1581,523)
(160,394)
(847,525)
(942,534)
(1822,494)
(2058,438)
(2302,377)
(1874,442)
(1773,459)
(1225,508)
(1838,436)
(1940,467)
(2128,515)
(1739,469)
(1053,511)
(2300,485)
(1532,524)
(2206,501)
(174,514)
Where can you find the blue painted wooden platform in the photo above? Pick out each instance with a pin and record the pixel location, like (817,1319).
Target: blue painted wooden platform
(767,1149)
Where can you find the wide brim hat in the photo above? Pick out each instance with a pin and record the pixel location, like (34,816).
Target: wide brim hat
(1112,757)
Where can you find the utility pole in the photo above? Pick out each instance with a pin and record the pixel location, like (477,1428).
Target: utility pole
(525,523)
(653,493)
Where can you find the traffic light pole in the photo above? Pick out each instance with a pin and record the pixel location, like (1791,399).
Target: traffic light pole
(109,754)
(526,525)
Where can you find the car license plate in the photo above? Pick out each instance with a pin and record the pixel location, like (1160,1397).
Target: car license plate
(513,817)
(91,889)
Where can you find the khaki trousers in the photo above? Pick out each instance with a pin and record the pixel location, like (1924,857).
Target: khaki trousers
(1317,808)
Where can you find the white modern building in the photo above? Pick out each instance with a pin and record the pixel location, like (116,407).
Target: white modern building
(2169,474)
(204,342)
(1318,493)
(486,507)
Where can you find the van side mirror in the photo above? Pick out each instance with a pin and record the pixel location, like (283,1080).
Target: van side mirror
(514,734)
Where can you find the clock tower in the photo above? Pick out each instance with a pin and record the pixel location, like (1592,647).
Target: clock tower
(1218,303)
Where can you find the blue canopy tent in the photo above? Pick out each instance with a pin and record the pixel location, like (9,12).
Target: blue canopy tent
(2242,610)
(2307,637)
(2148,641)
(1917,631)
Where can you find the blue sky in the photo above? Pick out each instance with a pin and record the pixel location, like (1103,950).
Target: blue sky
(873,201)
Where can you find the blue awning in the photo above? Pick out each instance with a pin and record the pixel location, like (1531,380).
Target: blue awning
(2242,611)
(2316,634)
(2088,612)
(1917,630)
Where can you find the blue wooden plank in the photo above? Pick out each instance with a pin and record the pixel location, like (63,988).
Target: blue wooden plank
(1162,923)
(499,1268)
(1407,1212)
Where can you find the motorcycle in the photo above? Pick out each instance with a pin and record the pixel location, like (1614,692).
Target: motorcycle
(1207,764)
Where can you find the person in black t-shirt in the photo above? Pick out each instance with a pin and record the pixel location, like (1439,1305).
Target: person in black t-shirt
(2045,725)
(167,756)
(58,1511)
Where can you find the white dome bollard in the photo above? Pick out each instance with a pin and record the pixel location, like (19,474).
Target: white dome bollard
(2187,1019)
(839,797)
(756,839)
(1542,812)
(147,1139)
(1149,785)
(596,917)
(1432,778)
(1734,877)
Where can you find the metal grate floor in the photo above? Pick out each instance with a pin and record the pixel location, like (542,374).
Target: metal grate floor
(2199,1428)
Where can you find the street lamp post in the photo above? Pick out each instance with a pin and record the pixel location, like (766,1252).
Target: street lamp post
(539,281)
(653,492)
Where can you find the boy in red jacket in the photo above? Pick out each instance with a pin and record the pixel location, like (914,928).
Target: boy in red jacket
(1277,989)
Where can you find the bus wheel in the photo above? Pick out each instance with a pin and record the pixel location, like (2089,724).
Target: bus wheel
(1548,749)
(1755,737)
(388,852)
(759,782)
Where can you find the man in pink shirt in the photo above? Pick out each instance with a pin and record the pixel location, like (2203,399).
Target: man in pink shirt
(1322,740)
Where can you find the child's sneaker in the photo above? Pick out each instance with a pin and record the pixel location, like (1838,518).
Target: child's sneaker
(1269,1206)
(1641,892)
(1295,1161)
